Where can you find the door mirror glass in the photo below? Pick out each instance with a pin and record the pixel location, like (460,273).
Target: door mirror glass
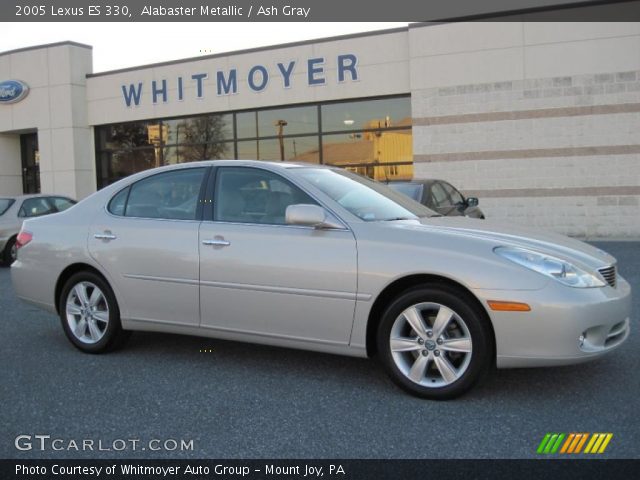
(472,202)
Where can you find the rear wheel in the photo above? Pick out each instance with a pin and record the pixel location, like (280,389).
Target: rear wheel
(435,342)
(10,252)
(90,315)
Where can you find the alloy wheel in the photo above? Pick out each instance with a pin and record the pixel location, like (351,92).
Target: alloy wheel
(87,312)
(431,344)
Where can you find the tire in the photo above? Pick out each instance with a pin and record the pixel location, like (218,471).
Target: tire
(90,315)
(9,252)
(425,364)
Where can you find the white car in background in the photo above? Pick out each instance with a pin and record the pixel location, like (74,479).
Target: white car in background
(14,210)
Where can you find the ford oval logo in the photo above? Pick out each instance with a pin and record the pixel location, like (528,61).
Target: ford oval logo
(12,91)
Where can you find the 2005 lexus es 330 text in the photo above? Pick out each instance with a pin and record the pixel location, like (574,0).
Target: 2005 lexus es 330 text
(319,258)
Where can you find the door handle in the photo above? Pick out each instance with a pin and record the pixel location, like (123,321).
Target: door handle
(105,236)
(216,243)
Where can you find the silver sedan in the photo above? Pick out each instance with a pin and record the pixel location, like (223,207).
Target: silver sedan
(318,258)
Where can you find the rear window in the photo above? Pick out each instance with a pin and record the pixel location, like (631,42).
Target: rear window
(5,203)
(411,190)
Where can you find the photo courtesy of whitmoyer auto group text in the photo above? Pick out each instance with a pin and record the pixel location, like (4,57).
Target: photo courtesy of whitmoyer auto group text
(338,239)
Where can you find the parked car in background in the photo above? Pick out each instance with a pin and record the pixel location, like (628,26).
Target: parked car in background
(440,196)
(319,258)
(14,210)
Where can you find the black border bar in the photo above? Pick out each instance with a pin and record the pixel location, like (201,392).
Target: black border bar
(427,11)
(295,469)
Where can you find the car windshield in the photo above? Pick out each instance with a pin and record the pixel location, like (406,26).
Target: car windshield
(368,200)
(5,203)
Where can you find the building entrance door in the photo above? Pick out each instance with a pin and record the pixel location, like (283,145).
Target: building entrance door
(30,163)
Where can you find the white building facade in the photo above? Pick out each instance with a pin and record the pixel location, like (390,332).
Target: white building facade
(541,121)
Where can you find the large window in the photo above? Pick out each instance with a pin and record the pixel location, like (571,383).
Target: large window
(170,195)
(371,137)
(251,195)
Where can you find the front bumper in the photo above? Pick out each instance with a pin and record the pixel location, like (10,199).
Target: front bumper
(565,325)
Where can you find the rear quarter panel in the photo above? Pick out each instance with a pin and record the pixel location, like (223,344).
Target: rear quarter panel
(59,240)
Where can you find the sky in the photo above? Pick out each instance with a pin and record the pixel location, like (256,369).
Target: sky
(121,45)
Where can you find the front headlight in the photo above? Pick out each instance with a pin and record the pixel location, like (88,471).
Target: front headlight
(561,270)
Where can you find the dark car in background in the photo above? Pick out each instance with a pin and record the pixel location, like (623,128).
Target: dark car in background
(15,209)
(440,196)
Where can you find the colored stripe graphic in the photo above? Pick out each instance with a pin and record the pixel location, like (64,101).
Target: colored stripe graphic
(543,443)
(581,443)
(551,442)
(598,442)
(566,445)
(573,443)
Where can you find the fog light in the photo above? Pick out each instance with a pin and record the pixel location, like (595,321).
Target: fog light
(581,339)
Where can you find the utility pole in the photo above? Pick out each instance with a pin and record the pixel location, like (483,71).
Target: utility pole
(280,124)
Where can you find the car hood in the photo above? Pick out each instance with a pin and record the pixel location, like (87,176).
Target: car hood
(503,234)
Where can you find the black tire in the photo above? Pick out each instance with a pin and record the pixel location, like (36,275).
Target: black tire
(7,256)
(113,336)
(477,327)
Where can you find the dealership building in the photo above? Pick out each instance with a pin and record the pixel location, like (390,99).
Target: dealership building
(541,121)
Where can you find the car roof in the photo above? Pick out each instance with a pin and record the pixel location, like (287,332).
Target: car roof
(246,163)
(417,182)
(33,195)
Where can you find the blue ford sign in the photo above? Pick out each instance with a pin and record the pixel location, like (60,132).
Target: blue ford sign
(12,91)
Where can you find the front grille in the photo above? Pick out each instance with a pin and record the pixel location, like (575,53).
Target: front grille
(609,274)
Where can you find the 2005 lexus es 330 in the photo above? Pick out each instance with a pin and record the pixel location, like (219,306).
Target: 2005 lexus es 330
(321,259)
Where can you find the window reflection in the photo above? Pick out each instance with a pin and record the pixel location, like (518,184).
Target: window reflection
(246,126)
(247,150)
(123,136)
(371,137)
(299,149)
(200,151)
(380,155)
(367,114)
(202,129)
(288,121)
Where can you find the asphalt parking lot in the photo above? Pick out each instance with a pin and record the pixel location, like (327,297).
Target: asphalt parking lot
(248,401)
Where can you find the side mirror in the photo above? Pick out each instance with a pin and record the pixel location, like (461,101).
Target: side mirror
(309,216)
(472,202)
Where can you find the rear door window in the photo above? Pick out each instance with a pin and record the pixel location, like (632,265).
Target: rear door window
(35,207)
(171,195)
(61,203)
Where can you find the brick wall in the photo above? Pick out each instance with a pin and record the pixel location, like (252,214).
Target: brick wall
(560,152)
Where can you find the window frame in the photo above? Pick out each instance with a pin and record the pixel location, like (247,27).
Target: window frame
(129,187)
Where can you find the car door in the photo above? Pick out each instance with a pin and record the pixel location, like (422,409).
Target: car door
(147,240)
(259,275)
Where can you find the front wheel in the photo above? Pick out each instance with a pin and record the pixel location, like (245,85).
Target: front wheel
(90,315)
(435,342)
